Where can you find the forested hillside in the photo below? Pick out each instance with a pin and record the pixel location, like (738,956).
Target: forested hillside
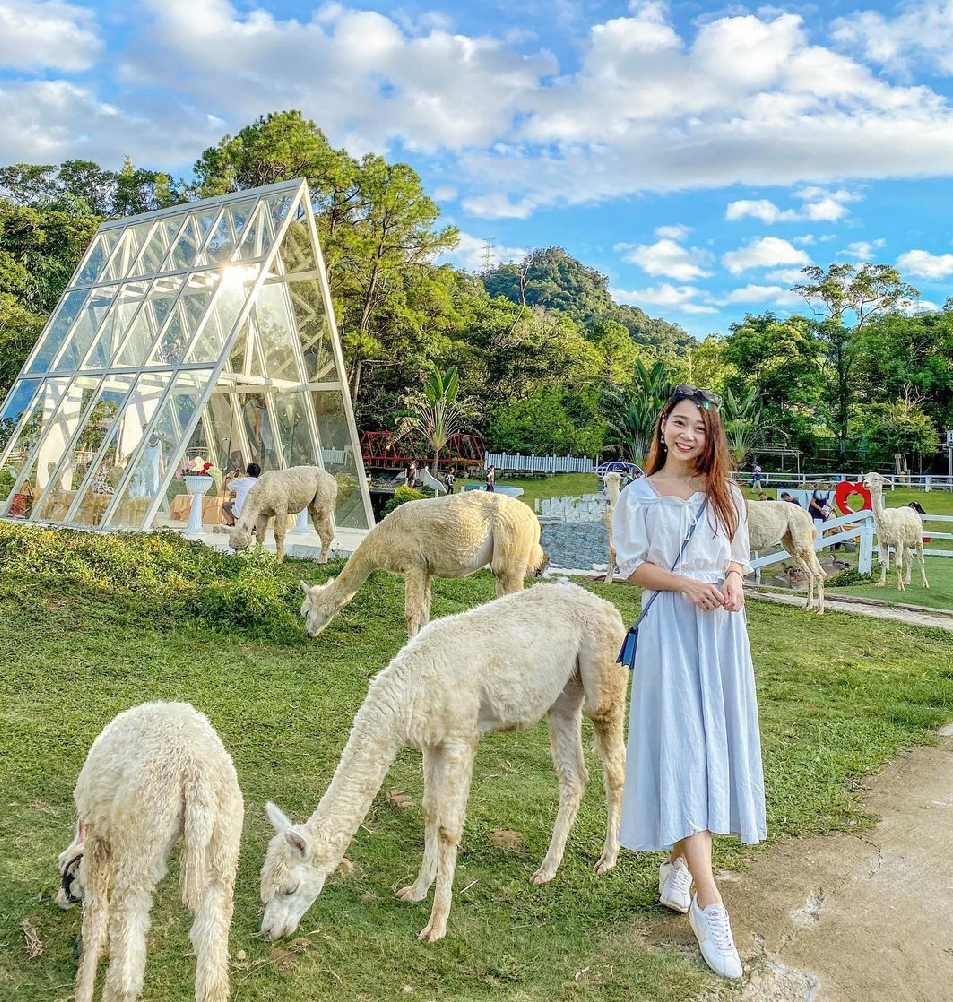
(547,362)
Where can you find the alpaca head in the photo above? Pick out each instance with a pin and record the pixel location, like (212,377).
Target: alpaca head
(239,537)
(296,867)
(538,561)
(315,611)
(69,863)
(874,481)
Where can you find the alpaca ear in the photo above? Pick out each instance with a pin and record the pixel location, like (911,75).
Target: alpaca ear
(279,820)
(305,588)
(297,843)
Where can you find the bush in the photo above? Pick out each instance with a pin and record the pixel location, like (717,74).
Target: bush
(849,576)
(401,496)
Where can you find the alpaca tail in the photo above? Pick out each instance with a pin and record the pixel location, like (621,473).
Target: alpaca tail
(813,533)
(201,808)
(538,559)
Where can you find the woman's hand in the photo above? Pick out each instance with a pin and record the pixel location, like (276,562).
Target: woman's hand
(734,593)
(705,596)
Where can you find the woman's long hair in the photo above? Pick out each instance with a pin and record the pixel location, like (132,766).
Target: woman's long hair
(714,463)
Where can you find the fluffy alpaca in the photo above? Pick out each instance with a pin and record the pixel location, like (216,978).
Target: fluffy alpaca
(613,482)
(157,772)
(550,649)
(446,537)
(900,528)
(429,480)
(771,522)
(287,492)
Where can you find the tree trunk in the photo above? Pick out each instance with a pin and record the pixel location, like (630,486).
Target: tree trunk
(356,381)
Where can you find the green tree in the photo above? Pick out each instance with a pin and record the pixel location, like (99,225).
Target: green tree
(19,330)
(845,298)
(741,415)
(891,429)
(439,415)
(553,420)
(631,411)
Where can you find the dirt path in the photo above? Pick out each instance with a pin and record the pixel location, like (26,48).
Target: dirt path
(866,918)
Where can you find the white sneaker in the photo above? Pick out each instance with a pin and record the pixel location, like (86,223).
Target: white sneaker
(713,931)
(675,885)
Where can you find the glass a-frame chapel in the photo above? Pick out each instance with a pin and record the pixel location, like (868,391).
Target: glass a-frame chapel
(201,331)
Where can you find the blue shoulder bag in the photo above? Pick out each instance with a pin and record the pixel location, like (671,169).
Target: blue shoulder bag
(631,643)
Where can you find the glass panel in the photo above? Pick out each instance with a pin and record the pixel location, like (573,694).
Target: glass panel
(221,244)
(337,451)
(279,206)
(240,213)
(236,283)
(294,429)
(276,334)
(314,333)
(185,250)
(296,252)
(183,321)
(152,253)
(99,253)
(160,301)
(128,300)
(218,426)
(236,361)
(143,477)
(85,329)
(82,461)
(203,221)
(258,235)
(126,250)
(57,331)
(259,433)
(18,402)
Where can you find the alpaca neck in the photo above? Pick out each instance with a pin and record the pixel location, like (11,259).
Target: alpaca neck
(377,736)
(356,571)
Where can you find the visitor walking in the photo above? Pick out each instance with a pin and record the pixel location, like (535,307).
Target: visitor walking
(491,478)
(694,754)
(410,474)
(756,477)
(240,486)
(451,481)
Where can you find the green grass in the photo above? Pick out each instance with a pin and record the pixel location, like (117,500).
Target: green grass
(839,697)
(938,596)
(558,485)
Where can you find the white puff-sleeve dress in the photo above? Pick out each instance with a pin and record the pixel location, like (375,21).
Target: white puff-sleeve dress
(694,751)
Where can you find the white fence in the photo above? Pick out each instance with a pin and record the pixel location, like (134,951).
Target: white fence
(858,526)
(506,462)
(923,482)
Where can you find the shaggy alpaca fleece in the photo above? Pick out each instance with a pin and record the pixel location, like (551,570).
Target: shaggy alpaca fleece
(445,537)
(500,667)
(898,528)
(157,773)
(771,522)
(281,493)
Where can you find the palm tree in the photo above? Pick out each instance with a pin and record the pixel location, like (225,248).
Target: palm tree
(631,411)
(438,416)
(741,416)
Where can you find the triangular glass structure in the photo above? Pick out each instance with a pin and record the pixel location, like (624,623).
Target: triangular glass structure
(204,330)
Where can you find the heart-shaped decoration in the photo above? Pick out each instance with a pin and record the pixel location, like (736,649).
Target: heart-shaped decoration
(844,490)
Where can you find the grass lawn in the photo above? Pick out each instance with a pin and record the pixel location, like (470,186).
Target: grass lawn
(938,596)
(839,697)
(558,485)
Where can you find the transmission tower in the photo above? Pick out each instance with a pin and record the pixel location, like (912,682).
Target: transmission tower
(489,246)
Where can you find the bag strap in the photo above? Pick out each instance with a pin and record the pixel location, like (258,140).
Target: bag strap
(691,532)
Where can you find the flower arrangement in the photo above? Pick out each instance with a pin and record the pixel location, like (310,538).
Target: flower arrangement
(198,468)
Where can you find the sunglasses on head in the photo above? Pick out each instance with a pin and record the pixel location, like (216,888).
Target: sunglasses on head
(704,399)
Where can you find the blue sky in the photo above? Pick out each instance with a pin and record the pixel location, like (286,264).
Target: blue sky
(697,154)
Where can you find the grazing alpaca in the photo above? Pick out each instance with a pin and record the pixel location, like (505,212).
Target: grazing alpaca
(287,492)
(613,482)
(429,480)
(900,528)
(156,773)
(550,649)
(447,537)
(771,522)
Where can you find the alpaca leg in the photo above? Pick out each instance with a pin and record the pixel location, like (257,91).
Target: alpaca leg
(324,527)
(433,778)
(261,527)
(565,736)
(801,564)
(884,565)
(898,557)
(281,527)
(908,556)
(416,600)
(209,936)
(95,917)
(923,565)
(454,792)
(609,740)
(128,924)
(508,581)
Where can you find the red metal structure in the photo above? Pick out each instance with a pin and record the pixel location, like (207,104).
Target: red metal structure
(383,450)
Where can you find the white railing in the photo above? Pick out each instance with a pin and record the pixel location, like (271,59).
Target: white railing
(923,482)
(515,463)
(587,508)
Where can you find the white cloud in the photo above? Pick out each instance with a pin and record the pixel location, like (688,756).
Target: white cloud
(764,253)
(912,307)
(676,298)
(47,34)
(471,253)
(668,258)
(923,264)
(819,205)
(922,32)
(445,192)
(761,208)
(498,206)
(760,294)
(677,232)
(790,276)
(863,250)
(804,241)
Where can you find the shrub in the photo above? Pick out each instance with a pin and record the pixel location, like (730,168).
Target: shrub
(849,576)
(401,496)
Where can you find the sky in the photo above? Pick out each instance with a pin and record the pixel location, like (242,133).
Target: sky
(697,154)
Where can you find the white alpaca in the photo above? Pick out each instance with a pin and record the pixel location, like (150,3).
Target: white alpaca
(900,528)
(429,480)
(448,537)
(771,522)
(156,773)
(498,667)
(288,492)
(613,482)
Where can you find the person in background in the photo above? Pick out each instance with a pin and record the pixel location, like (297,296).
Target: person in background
(785,496)
(756,477)
(491,478)
(240,486)
(451,481)
(410,474)
(762,496)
